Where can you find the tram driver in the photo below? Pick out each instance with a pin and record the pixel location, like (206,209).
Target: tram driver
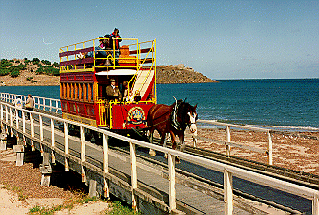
(113,92)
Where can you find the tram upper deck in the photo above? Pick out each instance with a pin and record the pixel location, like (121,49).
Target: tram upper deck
(85,73)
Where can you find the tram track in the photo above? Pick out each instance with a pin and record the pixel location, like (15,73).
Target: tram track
(213,188)
(292,176)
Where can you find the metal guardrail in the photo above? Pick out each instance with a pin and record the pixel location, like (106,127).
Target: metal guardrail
(7,117)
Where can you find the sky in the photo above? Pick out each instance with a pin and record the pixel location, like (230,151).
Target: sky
(222,39)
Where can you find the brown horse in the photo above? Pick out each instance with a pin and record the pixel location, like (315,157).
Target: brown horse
(173,120)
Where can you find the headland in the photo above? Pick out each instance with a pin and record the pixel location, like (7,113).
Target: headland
(34,73)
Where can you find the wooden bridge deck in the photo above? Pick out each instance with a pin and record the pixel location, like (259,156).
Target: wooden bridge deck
(152,180)
(146,186)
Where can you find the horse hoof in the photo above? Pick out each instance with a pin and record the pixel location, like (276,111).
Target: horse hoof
(152,153)
(183,147)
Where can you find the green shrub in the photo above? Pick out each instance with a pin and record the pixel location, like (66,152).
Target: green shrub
(49,70)
(15,73)
(26,61)
(29,78)
(4,71)
(46,62)
(21,67)
(55,64)
(35,60)
(39,71)
(119,209)
(5,63)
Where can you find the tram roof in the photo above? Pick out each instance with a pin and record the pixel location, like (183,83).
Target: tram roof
(118,72)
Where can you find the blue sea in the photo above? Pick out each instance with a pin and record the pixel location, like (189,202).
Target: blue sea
(284,103)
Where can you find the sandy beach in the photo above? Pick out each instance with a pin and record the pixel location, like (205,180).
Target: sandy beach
(20,191)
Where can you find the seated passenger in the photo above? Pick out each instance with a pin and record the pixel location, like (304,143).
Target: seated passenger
(125,91)
(113,92)
(99,51)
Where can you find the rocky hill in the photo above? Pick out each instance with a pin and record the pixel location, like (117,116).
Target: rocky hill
(179,74)
(37,74)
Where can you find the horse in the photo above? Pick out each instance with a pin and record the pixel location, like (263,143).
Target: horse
(172,119)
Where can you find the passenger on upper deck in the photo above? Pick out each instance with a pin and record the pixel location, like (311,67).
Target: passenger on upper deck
(99,51)
(113,92)
(116,39)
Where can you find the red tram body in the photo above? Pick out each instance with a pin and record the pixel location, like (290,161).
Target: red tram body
(83,82)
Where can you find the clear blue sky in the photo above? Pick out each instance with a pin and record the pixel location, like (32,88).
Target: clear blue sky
(219,38)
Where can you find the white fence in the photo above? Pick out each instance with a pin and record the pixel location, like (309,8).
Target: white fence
(228,142)
(7,113)
(42,103)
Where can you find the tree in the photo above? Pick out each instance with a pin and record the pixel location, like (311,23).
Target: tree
(50,70)
(55,64)
(5,63)
(15,73)
(46,62)
(35,60)
(4,71)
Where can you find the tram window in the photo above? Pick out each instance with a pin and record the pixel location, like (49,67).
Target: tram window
(87,92)
(64,90)
(68,90)
(84,92)
(76,91)
(80,92)
(92,92)
(72,91)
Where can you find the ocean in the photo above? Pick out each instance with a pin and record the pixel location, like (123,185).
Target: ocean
(289,104)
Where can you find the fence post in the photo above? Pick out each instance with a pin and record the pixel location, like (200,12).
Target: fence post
(106,165)
(17,118)
(66,146)
(228,192)
(82,133)
(52,140)
(7,114)
(315,205)
(11,122)
(270,161)
(32,130)
(23,122)
(57,105)
(11,117)
(172,190)
(41,128)
(1,112)
(133,174)
(227,140)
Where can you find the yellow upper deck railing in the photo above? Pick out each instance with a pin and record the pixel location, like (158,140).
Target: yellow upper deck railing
(102,53)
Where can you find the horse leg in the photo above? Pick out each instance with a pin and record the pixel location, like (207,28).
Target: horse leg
(164,140)
(151,152)
(174,145)
(181,139)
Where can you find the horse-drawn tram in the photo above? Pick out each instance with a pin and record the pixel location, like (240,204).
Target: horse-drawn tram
(108,87)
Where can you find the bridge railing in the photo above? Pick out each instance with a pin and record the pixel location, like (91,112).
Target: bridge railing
(228,143)
(9,112)
(41,103)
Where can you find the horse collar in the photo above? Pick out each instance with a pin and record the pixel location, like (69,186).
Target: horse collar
(174,121)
